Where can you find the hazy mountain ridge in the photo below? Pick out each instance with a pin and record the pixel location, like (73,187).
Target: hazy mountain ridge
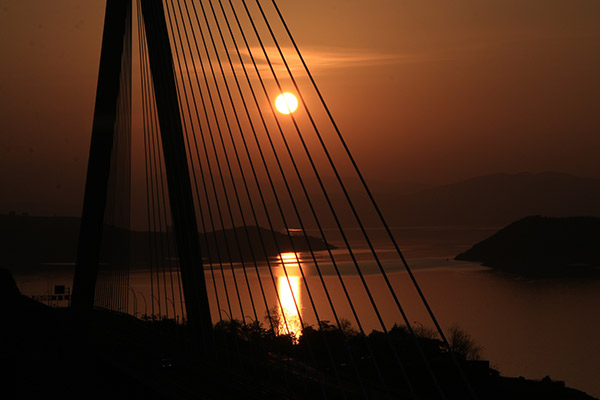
(30,241)
(486,201)
(495,200)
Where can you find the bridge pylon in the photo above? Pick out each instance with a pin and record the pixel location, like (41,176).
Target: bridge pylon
(115,74)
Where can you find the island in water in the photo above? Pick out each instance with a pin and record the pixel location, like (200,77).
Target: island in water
(537,245)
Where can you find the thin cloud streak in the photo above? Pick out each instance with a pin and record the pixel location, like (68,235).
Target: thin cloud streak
(323,59)
(316,59)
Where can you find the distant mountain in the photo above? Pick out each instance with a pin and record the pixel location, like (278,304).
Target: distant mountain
(30,241)
(487,201)
(541,245)
(494,200)
(490,200)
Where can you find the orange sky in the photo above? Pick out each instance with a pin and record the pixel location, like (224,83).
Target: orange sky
(433,92)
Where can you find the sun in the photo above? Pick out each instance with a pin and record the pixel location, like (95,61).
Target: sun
(286,103)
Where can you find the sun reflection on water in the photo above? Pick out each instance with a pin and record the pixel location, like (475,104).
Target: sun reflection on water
(289,259)
(288,289)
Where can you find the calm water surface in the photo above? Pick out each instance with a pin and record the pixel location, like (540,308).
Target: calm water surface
(527,327)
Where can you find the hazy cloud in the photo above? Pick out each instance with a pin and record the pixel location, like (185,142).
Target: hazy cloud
(325,58)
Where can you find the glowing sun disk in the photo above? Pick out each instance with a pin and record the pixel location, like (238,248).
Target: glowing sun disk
(286,103)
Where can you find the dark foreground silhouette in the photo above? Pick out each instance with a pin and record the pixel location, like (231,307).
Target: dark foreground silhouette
(542,246)
(108,355)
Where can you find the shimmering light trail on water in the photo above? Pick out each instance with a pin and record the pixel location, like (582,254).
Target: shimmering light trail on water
(289,293)
(288,289)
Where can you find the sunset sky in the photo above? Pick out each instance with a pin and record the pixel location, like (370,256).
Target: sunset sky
(431,92)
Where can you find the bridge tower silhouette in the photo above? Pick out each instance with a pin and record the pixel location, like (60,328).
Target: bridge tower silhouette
(208,75)
(115,66)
